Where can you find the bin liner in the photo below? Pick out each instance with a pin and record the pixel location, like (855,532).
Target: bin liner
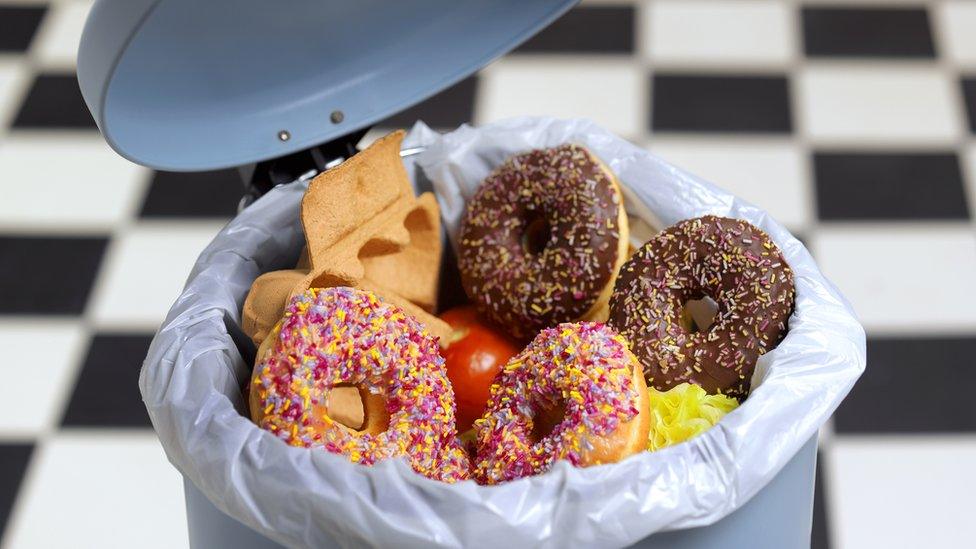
(192,384)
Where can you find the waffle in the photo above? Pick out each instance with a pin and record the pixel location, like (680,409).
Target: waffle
(364,228)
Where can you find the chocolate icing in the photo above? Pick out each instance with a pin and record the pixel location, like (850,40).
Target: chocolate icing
(731,261)
(525,291)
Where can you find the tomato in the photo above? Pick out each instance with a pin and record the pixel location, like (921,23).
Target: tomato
(476,352)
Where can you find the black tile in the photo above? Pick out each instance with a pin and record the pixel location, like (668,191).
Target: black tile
(889,186)
(819,537)
(13,464)
(969,95)
(107,391)
(34,278)
(587,29)
(54,101)
(18,25)
(908,388)
(867,32)
(709,103)
(448,109)
(193,194)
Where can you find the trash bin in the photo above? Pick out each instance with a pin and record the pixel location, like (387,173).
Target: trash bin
(749,478)
(779,516)
(286,89)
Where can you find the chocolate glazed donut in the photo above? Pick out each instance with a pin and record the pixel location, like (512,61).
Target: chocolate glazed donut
(732,262)
(542,240)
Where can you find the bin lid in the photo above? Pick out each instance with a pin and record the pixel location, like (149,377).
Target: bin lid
(199,85)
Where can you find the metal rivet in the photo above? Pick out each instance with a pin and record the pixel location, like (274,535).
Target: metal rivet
(336,117)
(283,135)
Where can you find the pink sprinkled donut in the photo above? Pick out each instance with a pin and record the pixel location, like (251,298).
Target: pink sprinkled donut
(542,240)
(586,372)
(336,341)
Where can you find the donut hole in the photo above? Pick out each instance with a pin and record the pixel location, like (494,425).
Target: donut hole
(536,235)
(697,315)
(347,405)
(545,421)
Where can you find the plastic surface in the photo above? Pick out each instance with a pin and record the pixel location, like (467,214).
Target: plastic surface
(780,516)
(208,528)
(192,386)
(199,85)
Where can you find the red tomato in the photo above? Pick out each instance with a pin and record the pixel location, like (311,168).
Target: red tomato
(475,353)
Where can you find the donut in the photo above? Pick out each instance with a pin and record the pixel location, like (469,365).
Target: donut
(575,393)
(728,260)
(542,240)
(335,343)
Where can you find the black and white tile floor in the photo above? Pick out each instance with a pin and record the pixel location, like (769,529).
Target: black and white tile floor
(852,123)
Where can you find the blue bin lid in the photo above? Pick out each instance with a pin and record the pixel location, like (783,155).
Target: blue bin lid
(207,84)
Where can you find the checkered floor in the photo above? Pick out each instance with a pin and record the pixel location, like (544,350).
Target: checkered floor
(854,124)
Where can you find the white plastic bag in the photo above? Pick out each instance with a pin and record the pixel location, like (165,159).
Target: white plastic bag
(193,377)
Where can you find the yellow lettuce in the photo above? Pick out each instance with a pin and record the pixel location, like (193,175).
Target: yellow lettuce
(682,412)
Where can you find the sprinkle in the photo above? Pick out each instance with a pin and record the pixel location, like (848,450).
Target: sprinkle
(725,259)
(568,189)
(344,336)
(584,369)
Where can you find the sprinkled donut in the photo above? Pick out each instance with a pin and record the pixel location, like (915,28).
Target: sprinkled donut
(542,240)
(336,338)
(728,260)
(584,370)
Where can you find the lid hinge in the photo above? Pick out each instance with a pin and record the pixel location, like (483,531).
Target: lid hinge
(299,166)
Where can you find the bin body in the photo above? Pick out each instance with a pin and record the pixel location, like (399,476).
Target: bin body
(780,516)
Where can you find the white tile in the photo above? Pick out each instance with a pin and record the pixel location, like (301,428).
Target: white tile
(903,278)
(27,2)
(902,492)
(860,3)
(714,32)
(67,181)
(57,40)
(608,91)
(144,272)
(372,135)
(100,490)
(850,104)
(13,86)
(771,175)
(957,21)
(40,361)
